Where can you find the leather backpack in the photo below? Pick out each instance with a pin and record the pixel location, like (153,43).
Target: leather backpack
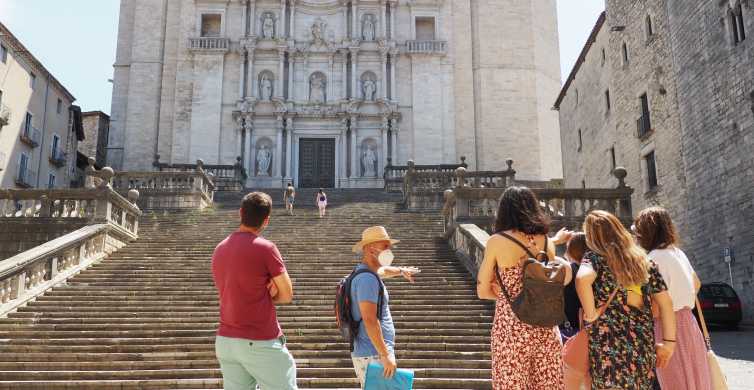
(541,302)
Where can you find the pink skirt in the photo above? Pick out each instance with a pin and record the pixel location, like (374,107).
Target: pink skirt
(688,368)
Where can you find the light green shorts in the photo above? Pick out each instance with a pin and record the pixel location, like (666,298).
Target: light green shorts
(246,363)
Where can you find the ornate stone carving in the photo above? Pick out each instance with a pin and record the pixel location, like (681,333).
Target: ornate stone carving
(368,27)
(368,87)
(268,25)
(318,88)
(369,162)
(264,160)
(266,86)
(319,28)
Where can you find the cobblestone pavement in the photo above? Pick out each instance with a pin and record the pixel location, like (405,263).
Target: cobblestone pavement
(736,352)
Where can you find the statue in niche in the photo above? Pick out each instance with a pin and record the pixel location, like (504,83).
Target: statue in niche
(268,26)
(318,31)
(265,87)
(317,88)
(264,158)
(369,160)
(369,89)
(368,28)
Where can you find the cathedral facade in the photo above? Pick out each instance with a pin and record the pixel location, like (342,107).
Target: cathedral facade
(326,93)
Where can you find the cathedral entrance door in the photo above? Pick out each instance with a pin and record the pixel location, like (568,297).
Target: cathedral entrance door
(316,163)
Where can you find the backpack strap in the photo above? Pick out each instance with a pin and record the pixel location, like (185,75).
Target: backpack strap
(524,247)
(519,243)
(380,297)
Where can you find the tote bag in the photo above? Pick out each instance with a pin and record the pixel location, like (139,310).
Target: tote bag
(716,373)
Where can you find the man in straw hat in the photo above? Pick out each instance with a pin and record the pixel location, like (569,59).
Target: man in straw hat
(375,339)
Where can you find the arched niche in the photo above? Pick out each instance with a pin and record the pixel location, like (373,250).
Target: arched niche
(369,158)
(266,85)
(264,154)
(318,87)
(368,86)
(268,25)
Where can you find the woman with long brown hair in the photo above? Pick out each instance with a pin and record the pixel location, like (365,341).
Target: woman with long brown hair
(623,352)
(524,356)
(688,369)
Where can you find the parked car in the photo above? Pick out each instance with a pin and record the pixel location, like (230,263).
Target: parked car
(720,305)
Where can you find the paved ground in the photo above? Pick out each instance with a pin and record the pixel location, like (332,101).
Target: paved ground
(736,352)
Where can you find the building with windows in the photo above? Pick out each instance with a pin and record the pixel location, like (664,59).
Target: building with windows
(39,125)
(666,89)
(326,93)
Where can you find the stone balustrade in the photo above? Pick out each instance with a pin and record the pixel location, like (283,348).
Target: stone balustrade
(469,213)
(424,190)
(427,47)
(225,177)
(209,44)
(29,274)
(168,190)
(395,174)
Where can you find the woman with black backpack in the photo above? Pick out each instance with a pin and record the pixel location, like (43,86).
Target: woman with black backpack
(321,202)
(525,342)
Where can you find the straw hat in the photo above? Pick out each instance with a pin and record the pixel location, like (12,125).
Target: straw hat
(371,235)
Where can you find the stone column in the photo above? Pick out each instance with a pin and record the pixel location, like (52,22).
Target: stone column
(253,18)
(281,20)
(251,91)
(354,76)
(383,69)
(288,149)
(355,155)
(241,82)
(392,20)
(356,30)
(240,150)
(249,155)
(393,77)
(278,171)
(383,157)
(292,28)
(330,77)
(281,73)
(344,18)
(344,150)
(291,75)
(394,142)
(383,18)
(244,17)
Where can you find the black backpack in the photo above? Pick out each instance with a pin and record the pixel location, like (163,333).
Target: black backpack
(349,328)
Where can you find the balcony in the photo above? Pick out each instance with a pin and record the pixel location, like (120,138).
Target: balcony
(427,47)
(209,44)
(4,115)
(57,158)
(26,178)
(30,136)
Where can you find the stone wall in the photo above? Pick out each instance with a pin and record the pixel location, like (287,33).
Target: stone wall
(96,126)
(715,80)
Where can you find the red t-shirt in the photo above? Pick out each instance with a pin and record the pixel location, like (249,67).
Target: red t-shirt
(242,266)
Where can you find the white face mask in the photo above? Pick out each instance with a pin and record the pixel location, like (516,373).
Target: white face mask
(386,257)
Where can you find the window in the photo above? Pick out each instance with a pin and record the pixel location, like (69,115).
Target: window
(737,25)
(425,28)
(649,28)
(51,181)
(649,159)
(625,54)
(3,54)
(607,100)
(644,125)
(580,141)
(54,147)
(211,25)
(60,106)
(23,166)
(613,163)
(27,124)
(604,57)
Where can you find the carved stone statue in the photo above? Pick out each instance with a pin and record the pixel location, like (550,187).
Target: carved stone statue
(317,89)
(368,28)
(318,31)
(369,88)
(268,26)
(369,159)
(264,158)
(265,87)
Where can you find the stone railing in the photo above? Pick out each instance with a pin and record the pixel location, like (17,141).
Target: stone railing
(425,190)
(168,190)
(469,213)
(565,207)
(427,47)
(29,274)
(209,44)
(225,177)
(394,174)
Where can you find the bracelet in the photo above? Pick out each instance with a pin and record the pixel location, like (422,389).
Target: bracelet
(668,341)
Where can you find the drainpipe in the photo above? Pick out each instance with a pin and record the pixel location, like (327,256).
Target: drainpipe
(44,131)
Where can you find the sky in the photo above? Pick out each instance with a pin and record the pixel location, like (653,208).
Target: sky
(77,42)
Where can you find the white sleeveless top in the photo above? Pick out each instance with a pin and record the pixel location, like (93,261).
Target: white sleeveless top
(676,269)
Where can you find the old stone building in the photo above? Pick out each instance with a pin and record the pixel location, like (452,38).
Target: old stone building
(39,125)
(666,90)
(326,92)
(96,130)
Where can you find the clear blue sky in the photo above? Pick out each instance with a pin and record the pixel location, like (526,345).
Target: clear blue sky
(75,39)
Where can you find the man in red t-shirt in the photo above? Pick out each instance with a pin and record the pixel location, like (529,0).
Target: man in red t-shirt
(251,278)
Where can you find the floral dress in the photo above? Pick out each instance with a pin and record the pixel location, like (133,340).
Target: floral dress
(524,357)
(622,344)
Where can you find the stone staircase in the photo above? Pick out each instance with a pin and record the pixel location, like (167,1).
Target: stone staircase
(145,318)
